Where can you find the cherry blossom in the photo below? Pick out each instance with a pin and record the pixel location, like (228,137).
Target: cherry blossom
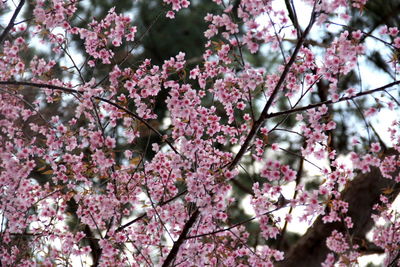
(173,201)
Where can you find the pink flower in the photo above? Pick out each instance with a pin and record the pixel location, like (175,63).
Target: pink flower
(396,42)
(170,14)
(231,174)
(110,142)
(264,130)
(337,243)
(351,92)
(393,31)
(275,147)
(357,35)
(375,147)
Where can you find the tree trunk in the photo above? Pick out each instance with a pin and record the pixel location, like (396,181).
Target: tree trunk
(362,194)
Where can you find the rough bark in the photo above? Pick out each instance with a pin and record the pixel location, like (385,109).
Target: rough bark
(361,194)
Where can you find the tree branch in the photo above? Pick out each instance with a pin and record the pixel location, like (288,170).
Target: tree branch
(234,225)
(175,249)
(122,227)
(71,91)
(293,16)
(96,251)
(264,114)
(12,20)
(330,102)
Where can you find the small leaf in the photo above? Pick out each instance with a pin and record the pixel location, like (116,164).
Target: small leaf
(265,139)
(135,161)
(49,172)
(41,168)
(387,191)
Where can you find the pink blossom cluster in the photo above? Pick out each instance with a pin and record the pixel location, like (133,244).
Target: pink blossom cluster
(176,5)
(111,30)
(386,234)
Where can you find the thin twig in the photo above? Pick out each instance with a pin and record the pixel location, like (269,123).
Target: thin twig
(301,157)
(122,227)
(28,104)
(330,102)
(233,226)
(293,16)
(365,33)
(130,51)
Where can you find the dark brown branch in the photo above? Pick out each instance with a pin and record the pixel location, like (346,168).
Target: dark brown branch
(42,85)
(175,249)
(368,248)
(243,187)
(299,175)
(12,20)
(293,16)
(96,251)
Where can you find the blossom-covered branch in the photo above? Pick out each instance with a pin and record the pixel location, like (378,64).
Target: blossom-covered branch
(81,93)
(179,147)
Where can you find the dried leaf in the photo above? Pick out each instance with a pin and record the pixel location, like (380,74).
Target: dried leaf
(48,172)
(135,161)
(387,191)
(41,168)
